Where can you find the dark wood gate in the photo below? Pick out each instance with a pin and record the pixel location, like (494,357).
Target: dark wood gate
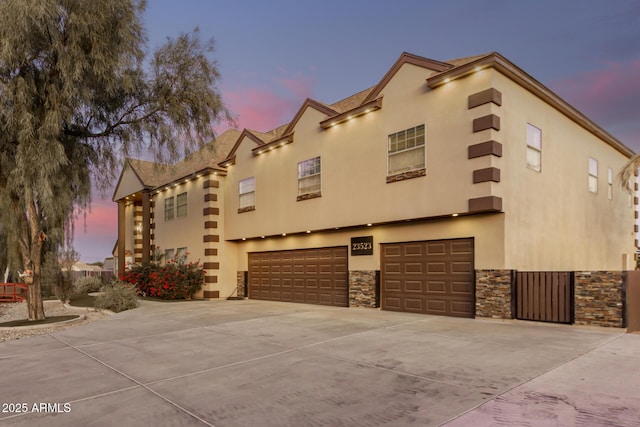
(545,296)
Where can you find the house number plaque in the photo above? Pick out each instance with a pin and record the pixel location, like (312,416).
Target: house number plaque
(362,245)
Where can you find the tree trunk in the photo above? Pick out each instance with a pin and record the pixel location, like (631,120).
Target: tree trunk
(31,241)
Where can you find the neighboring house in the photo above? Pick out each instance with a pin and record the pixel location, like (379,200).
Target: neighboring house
(432,191)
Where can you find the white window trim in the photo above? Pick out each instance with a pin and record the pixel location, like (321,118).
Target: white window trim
(531,147)
(172,215)
(185,205)
(610,184)
(302,176)
(593,175)
(240,193)
(423,146)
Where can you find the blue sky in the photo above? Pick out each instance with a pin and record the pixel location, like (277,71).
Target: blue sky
(274,54)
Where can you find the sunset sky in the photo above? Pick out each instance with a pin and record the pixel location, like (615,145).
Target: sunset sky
(274,54)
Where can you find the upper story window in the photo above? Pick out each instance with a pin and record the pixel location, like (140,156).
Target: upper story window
(247,194)
(168,209)
(406,151)
(593,175)
(534,148)
(309,183)
(610,183)
(181,205)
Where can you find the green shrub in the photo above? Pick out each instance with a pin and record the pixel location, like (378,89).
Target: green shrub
(117,296)
(84,285)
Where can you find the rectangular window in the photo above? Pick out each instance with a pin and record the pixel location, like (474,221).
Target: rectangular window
(406,151)
(610,183)
(247,192)
(534,148)
(168,255)
(309,177)
(181,255)
(181,205)
(168,209)
(593,175)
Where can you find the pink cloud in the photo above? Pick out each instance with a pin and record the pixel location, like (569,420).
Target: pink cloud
(262,108)
(609,95)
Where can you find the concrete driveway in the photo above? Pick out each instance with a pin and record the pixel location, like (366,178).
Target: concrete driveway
(257,363)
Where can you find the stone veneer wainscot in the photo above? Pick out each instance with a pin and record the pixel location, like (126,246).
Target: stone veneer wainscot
(493,293)
(362,288)
(598,298)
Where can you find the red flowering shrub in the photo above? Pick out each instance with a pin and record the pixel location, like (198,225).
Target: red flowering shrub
(175,280)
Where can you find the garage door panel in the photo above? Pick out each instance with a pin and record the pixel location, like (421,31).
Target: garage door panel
(390,251)
(436,287)
(462,288)
(413,304)
(392,267)
(462,247)
(413,268)
(436,267)
(436,248)
(316,276)
(413,250)
(413,286)
(463,267)
(447,279)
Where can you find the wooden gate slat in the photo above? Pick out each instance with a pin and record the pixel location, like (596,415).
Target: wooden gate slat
(543,296)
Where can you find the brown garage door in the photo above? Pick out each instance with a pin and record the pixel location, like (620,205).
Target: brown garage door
(432,277)
(312,276)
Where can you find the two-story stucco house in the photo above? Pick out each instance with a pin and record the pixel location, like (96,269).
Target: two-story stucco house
(451,188)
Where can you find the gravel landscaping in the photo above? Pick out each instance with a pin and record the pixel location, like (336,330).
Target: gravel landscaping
(17,311)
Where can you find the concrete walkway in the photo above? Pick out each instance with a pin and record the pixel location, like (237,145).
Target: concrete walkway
(256,363)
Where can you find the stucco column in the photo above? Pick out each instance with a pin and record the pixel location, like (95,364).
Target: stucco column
(146,226)
(121,236)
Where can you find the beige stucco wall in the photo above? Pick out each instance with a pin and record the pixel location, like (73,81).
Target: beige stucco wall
(552,221)
(128,183)
(189,231)
(354,166)
(485,229)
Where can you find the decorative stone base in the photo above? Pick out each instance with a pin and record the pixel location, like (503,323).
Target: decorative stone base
(493,294)
(362,288)
(599,298)
(240,283)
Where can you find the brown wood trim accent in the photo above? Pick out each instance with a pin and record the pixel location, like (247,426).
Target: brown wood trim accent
(368,107)
(137,241)
(490,121)
(406,175)
(635,228)
(211,224)
(485,97)
(152,215)
(486,174)
(211,238)
(635,201)
(485,204)
(210,252)
(309,196)
(406,58)
(211,183)
(485,149)
(635,186)
(153,225)
(210,279)
(137,213)
(246,209)
(211,294)
(210,211)
(138,259)
(212,197)
(211,266)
